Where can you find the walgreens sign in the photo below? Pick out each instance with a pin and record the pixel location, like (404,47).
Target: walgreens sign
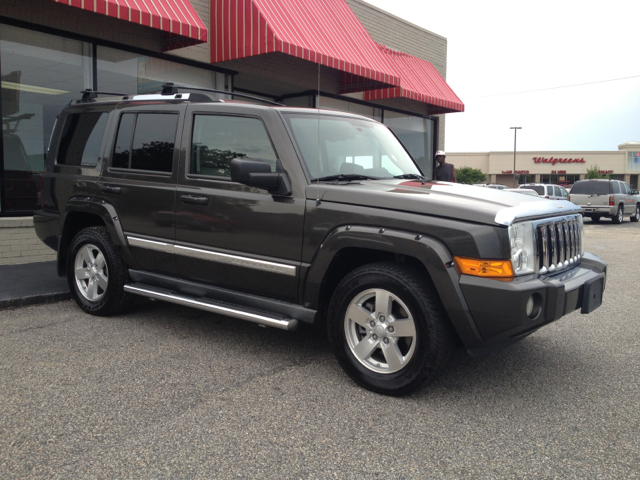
(553,160)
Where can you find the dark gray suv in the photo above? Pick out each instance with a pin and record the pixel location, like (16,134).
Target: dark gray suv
(283,216)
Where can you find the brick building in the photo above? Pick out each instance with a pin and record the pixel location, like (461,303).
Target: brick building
(336,54)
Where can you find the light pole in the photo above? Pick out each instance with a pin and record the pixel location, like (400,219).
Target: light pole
(515,134)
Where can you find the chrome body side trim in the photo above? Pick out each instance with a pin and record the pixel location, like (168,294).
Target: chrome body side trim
(228,259)
(150,244)
(236,260)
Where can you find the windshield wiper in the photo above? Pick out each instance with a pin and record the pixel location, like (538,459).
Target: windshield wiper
(410,176)
(344,176)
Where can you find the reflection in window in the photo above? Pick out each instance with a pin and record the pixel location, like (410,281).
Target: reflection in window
(152,144)
(81,138)
(218,139)
(40,73)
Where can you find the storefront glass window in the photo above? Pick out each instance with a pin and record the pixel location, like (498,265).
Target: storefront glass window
(563,179)
(125,72)
(331,103)
(416,134)
(40,74)
(633,160)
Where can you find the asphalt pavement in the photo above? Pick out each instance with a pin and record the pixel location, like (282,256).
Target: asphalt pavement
(31,283)
(170,392)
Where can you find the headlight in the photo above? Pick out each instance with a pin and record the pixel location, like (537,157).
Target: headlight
(522,249)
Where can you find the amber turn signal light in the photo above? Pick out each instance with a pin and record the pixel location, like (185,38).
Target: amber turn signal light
(485,268)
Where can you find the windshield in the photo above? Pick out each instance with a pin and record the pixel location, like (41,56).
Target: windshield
(333,146)
(591,188)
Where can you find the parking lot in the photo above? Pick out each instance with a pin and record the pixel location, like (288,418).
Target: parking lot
(170,392)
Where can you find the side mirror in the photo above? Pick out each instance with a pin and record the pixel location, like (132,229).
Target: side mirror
(634,192)
(256,173)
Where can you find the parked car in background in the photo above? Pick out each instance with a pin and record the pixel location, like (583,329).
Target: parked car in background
(552,192)
(606,198)
(524,191)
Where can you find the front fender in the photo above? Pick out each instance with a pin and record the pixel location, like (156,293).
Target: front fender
(435,257)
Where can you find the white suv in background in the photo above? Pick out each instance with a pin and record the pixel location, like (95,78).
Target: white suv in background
(553,192)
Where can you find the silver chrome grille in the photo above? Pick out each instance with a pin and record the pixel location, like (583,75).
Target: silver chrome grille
(558,243)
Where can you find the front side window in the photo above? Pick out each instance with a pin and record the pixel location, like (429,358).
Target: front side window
(81,138)
(218,139)
(146,141)
(334,145)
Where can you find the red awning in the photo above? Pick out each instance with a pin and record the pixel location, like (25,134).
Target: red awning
(325,32)
(178,20)
(420,81)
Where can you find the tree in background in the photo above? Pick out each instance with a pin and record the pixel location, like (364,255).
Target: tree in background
(593,173)
(470,175)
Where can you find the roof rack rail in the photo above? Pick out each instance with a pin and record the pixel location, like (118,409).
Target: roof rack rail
(170,89)
(88,94)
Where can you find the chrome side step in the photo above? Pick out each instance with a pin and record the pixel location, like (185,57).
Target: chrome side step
(235,311)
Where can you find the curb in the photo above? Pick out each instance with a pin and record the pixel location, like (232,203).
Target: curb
(34,300)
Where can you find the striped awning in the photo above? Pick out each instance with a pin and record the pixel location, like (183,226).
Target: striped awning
(178,20)
(325,32)
(420,81)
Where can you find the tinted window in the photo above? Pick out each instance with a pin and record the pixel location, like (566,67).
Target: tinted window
(122,151)
(626,188)
(153,142)
(615,187)
(538,188)
(218,139)
(591,188)
(564,192)
(81,138)
(152,145)
(556,191)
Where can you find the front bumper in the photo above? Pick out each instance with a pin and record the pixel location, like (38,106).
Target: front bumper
(499,308)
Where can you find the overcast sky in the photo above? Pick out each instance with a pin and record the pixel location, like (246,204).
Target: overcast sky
(497,48)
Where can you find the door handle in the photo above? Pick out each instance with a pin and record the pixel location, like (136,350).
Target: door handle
(110,189)
(194,199)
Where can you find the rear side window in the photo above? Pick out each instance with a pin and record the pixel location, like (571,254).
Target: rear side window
(146,141)
(626,188)
(556,191)
(538,188)
(81,138)
(616,187)
(591,188)
(218,139)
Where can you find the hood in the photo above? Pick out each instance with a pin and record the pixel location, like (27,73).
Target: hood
(443,199)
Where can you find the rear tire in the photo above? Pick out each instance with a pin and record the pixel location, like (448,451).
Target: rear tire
(636,216)
(388,328)
(97,274)
(619,218)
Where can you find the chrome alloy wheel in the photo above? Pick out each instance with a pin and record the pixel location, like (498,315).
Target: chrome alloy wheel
(380,331)
(92,276)
(620,215)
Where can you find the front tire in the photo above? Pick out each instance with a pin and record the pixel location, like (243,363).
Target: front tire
(97,274)
(388,328)
(636,216)
(619,218)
